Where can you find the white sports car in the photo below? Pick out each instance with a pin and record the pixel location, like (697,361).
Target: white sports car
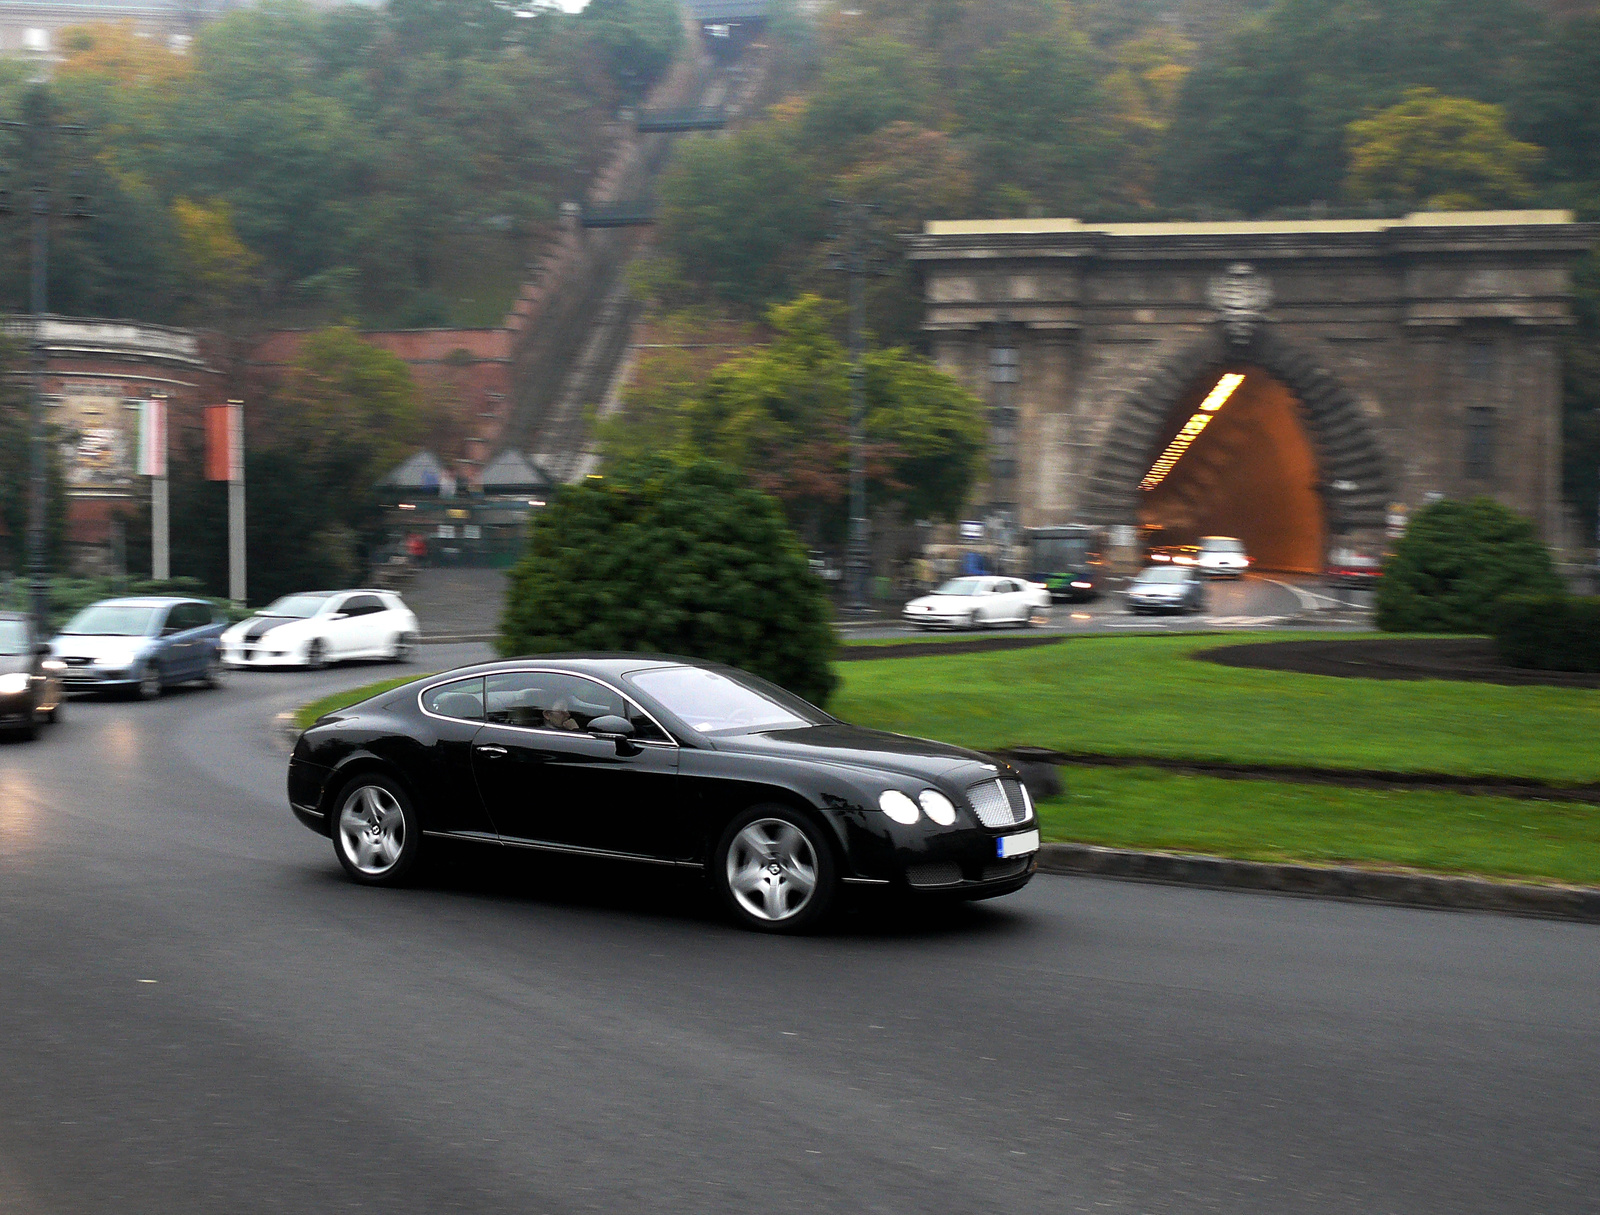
(980,602)
(314,628)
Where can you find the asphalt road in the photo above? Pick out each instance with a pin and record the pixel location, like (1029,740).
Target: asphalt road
(197,1013)
(1256,601)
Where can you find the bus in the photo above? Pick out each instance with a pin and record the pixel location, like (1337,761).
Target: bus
(1069,560)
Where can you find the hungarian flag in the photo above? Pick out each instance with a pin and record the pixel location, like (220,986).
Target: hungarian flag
(225,442)
(153,438)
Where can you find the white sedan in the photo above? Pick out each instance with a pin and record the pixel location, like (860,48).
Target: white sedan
(314,628)
(979,602)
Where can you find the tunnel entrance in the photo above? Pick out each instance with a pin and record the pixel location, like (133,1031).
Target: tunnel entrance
(1234,459)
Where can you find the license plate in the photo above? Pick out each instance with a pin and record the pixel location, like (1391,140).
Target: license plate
(1016,845)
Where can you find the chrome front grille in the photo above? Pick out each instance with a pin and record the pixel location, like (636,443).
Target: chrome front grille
(998,803)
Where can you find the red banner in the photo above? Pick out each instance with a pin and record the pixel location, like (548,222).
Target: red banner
(225,442)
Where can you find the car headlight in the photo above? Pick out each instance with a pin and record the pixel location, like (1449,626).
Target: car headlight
(17,682)
(1027,799)
(937,806)
(53,664)
(898,807)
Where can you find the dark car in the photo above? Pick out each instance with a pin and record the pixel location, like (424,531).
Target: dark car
(662,761)
(141,645)
(30,680)
(1167,588)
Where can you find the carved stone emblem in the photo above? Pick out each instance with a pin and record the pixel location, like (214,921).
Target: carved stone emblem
(1242,297)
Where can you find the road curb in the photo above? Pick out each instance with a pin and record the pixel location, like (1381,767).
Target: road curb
(1577,903)
(455,638)
(283,732)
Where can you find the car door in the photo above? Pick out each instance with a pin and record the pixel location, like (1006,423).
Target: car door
(340,630)
(366,616)
(1015,601)
(176,644)
(547,782)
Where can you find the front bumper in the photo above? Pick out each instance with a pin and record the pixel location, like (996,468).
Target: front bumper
(261,656)
(938,620)
(17,710)
(92,677)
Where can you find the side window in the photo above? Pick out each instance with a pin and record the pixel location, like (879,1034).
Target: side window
(549,701)
(463,699)
(362,605)
(645,730)
(174,621)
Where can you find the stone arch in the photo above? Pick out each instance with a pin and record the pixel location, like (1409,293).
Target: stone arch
(1346,446)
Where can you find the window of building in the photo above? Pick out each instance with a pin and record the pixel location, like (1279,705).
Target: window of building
(1480,443)
(1480,361)
(1003,365)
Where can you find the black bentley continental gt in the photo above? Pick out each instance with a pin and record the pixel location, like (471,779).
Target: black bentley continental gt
(661,761)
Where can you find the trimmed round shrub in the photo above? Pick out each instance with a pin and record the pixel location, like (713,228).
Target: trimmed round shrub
(673,559)
(1455,563)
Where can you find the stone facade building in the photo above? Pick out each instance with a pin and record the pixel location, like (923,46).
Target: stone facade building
(1384,363)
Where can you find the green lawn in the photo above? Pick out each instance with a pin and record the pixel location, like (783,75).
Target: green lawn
(306,714)
(1144,696)
(1151,810)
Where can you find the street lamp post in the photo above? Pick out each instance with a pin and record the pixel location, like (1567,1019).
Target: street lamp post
(38,135)
(855,260)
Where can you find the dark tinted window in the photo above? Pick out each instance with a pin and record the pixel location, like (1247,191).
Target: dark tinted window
(462,698)
(190,616)
(362,605)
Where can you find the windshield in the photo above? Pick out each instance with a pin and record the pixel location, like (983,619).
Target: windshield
(13,637)
(298,606)
(1164,573)
(1059,552)
(113,620)
(960,586)
(1222,544)
(714,703)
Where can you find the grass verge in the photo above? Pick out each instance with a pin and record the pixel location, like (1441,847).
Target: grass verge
(1150,810)
(1143,696)
(306,714)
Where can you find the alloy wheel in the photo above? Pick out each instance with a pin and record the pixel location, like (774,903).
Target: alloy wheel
(405,648)
(316,655)
(772,870)
(149,681)
(372,830)
(216,673)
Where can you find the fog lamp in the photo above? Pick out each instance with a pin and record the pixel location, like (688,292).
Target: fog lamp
(937,806)
(899,807)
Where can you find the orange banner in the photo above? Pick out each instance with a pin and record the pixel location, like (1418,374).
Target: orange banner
(225,442)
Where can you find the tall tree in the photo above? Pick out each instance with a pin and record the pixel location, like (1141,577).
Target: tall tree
(1439,153)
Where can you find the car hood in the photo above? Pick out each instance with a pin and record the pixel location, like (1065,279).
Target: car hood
(257,627)
(96,645)
(876,750)
(943,603)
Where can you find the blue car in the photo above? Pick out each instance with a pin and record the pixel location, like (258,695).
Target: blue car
(141,645)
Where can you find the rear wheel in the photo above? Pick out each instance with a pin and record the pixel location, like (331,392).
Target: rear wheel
(216,673)
(404,648)
(774,870)
(376,835)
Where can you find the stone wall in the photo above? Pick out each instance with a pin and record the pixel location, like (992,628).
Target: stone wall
(1391,332)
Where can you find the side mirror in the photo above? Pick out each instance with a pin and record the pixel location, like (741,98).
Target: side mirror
(618,729)
(41,648)
(171,629)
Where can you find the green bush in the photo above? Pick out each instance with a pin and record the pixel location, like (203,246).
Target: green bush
(1549,632)
(1455,563)
(675,559)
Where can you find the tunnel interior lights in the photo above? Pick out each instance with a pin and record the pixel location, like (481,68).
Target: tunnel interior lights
(1215,400)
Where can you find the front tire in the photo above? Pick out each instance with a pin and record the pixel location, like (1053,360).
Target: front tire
(376,835)
(149,685)
(316,655)
(774,870)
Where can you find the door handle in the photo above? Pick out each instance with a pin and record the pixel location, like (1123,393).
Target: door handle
(492,751)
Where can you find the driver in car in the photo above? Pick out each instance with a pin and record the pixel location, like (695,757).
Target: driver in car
(559,717)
